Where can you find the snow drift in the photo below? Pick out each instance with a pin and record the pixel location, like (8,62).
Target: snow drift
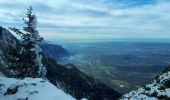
(30,89)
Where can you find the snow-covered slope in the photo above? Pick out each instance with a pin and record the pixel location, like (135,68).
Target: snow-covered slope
(158,89)
(30,89)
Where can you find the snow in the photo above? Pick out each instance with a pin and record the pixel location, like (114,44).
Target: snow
(168,92)
(31,89)
(35,36)
(34,22)
(164,77)
(35,39)
(153,91)
(42,70)
(84,99)
(136,95)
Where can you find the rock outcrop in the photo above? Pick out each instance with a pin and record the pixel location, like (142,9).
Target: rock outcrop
(158,89)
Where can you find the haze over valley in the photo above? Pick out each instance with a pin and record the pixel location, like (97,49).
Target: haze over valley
(122,65)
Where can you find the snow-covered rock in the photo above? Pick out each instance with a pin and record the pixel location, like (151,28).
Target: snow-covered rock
(30,89)
(158,89)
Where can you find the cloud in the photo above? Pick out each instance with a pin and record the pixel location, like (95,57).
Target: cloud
(100,19)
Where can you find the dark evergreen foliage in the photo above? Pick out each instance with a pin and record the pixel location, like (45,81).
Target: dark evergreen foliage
(29,54)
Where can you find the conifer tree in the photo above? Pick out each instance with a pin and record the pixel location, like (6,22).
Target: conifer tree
(30,55)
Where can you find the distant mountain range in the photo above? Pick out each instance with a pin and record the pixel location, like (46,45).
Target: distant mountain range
(53,51)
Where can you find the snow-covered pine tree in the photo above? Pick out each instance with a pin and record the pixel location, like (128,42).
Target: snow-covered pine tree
(30,57)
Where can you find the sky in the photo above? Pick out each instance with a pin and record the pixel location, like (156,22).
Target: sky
(67,20)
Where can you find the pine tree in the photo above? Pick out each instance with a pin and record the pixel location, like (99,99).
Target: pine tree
(30,57)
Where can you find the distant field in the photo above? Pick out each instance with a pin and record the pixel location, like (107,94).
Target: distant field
(121,65)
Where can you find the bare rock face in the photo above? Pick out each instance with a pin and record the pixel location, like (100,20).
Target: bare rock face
(158,89)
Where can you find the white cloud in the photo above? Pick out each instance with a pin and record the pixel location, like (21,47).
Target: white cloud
(92,18)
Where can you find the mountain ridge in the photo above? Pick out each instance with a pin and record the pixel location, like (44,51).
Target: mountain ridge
(68,77)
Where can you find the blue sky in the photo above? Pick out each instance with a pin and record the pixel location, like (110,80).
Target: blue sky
(92,19)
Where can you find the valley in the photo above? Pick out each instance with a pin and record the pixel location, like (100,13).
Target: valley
(124,66)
